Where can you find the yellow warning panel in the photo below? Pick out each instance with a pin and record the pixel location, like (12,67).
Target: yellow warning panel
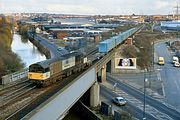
(35,76)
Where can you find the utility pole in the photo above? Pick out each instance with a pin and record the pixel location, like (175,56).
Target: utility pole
(177,11)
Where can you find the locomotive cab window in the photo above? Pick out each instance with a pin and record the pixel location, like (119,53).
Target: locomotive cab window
(37,69)
(46,70)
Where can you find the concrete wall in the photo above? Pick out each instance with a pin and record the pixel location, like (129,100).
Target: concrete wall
(14,76)
(41,47)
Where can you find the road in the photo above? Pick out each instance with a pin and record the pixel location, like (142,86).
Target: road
(50,46)
(170,76)
(107,95)
(135,98)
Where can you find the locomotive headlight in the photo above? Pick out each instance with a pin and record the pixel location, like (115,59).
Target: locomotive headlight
(29,75)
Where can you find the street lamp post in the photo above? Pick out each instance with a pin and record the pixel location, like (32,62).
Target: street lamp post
(145,79)
(152,55)
(144,106)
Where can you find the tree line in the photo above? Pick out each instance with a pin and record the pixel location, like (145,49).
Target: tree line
(9,61)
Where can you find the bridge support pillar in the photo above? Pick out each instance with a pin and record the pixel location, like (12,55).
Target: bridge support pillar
(113,70)
(103,74)
(94,95)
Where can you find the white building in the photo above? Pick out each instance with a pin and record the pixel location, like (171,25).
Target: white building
(170,25)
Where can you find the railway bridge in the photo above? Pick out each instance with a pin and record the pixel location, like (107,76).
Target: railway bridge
(61,102)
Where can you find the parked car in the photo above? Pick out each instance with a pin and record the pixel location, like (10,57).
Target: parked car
(175,59)
(119,101)
(176,64)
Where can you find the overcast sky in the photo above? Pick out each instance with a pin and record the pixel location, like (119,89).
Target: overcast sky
(90,7)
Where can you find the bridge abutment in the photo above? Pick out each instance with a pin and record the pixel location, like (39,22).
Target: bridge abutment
(113,70)
(94,95)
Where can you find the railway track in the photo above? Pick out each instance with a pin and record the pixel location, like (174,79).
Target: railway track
(12,87)
(93,51)
(13,94)
(19,99)
(30,100)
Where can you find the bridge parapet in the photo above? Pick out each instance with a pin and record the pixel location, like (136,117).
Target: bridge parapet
(104,60)
(58,105)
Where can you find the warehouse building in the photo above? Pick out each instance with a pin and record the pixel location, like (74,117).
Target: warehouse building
(170,25)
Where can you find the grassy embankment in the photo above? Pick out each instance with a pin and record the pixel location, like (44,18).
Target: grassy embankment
(9,61)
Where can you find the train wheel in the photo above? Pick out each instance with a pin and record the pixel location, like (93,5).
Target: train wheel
(53,81)
(44,85)
(75,71)
(70,73)
(79,70)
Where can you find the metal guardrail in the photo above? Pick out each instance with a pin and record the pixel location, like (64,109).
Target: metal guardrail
(14,76)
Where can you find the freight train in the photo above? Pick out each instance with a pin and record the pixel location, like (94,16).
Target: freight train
(107,45)
(49,71)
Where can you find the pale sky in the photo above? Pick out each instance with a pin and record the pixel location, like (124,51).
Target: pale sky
(90,7)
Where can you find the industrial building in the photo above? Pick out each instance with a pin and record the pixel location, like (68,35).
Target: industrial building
(170,25)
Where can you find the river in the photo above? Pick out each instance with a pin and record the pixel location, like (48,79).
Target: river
(26,50)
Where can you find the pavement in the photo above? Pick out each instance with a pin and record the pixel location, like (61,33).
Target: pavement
(134,104)
(140,87)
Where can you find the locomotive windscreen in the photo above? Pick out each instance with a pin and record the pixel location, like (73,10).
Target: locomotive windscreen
(37,69)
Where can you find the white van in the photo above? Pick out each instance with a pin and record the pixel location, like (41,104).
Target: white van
(175,59)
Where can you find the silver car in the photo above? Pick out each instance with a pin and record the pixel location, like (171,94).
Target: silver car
(119,101)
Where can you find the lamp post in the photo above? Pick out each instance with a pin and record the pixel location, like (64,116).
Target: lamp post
(144,79)
(152,55)
(144,106)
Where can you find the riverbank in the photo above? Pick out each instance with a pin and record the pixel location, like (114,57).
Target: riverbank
(40,47)
(9,61)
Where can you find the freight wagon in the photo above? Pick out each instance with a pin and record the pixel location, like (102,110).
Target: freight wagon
(107,45)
